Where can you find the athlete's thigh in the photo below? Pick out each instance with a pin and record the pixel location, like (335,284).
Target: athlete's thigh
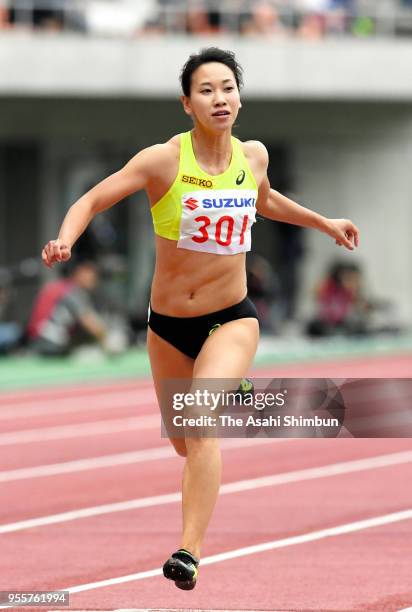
(229,351)
(167,362)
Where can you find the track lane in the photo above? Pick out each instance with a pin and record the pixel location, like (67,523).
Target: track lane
(269,480)
(372,366)
(138,540)
(245,462)
(48,495)
(327,575)
(21,456)
(69,411)
(75,390)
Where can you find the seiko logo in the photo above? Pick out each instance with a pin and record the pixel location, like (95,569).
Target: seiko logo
(193,180)
(241,177)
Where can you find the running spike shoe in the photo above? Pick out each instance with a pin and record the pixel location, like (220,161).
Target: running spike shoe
(182,567)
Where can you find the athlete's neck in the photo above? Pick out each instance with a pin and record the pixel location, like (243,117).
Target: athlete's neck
(213,151)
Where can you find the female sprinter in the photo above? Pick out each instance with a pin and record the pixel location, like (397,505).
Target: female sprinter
(204,187)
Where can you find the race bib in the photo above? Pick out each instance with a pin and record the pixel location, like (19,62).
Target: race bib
(217,221)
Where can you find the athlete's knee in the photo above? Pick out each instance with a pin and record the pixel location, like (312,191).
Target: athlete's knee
(198,445)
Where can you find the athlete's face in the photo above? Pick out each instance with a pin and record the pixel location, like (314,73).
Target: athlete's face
(214,99)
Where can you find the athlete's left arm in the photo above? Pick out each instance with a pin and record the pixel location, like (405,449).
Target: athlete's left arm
(273,205)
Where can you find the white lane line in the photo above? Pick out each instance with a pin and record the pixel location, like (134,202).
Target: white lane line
(73,390)
(79,430)
(377,521)
(98,401)
(133,504)
(335,469)
(95,402)
(94,463)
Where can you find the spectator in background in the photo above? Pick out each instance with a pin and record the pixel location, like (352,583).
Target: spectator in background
(265,21)
(168,17)
(64,316)
(338,16)
(203,22)
(37,16)
(342,307)
(312,22)
(4,16)
(363,24)
(312,27)
(152,27)
(363,27)
(49,19)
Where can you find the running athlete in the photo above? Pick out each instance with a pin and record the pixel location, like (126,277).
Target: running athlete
(204,187)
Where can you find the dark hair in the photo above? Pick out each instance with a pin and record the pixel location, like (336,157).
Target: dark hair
(338,269)
(211,54)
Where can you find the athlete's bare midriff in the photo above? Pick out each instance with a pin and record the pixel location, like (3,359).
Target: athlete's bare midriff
(188,283)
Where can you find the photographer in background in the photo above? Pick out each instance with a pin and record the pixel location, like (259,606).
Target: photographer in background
(341,305)
(64,316)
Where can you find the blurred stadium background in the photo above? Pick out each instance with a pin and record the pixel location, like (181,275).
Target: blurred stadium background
(86,84)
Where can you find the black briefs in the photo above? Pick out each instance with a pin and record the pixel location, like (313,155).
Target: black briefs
(188,334)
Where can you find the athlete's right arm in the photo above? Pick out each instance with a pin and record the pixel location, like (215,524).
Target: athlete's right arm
(134,176)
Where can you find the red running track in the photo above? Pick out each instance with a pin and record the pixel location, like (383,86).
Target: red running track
(47,470)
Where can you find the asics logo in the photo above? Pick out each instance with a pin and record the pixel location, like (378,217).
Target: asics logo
(241,177)
(214,328)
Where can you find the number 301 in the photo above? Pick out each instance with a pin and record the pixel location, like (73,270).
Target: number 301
(218,231)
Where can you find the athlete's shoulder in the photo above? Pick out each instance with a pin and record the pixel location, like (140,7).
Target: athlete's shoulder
(258,159)
(164,150)
(157,158)
(172,146)
(174,141)
(256,151)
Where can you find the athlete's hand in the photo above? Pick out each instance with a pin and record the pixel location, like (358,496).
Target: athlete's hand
(55,251)
(344,232)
